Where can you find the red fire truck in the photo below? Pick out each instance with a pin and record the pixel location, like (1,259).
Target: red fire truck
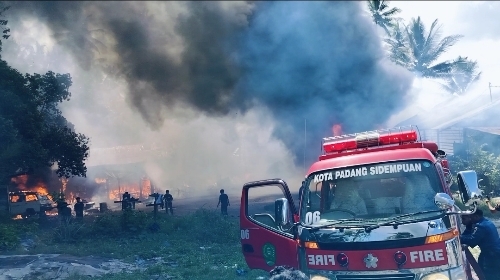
(376,205)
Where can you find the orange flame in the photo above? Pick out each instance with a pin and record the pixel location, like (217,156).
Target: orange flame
(135,190)
(21,182)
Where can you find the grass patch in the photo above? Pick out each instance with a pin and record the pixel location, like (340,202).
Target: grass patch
(11,231)
(202,245)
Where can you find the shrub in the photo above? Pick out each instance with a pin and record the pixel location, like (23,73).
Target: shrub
(106,225)
(116,224)
(69,230)
(8,237)
(133,221)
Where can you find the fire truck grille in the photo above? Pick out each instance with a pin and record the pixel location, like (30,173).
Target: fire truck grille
(378,277)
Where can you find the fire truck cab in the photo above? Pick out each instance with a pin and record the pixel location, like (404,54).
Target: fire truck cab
(377,205)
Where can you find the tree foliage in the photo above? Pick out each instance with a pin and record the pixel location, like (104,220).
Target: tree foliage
(33,131)
(417,49)
(462,75)
(382,15)
(480,159)
(3,24)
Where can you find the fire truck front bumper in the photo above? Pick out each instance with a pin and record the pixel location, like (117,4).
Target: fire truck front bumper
(432,273)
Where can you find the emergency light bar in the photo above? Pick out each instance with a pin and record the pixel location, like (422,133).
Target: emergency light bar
(370,139)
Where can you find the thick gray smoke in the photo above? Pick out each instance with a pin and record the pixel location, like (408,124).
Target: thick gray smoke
(321,61)
(217,82)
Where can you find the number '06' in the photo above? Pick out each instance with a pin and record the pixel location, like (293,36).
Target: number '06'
(245,234)
(312,217)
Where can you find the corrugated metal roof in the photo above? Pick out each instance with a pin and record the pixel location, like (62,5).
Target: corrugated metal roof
(446,114)
(491,130)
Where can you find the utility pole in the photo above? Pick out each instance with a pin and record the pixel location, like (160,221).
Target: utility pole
(491,96)
(305,143)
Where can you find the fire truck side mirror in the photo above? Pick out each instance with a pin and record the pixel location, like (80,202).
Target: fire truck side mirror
(444,201)
(282,212)
(469,187)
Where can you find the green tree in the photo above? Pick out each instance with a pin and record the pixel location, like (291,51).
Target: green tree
(382,15)
(34,133)
(484,162)
(418,50)
(463,74)
(3,23)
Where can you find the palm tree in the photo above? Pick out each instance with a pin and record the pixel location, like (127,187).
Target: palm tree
(3,22)
(418,50)
(382,15)
(463,74)
(399,52)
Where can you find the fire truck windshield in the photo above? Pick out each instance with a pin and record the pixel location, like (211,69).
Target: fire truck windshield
(370,193)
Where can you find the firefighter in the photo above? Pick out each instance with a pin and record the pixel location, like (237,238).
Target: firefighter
(79,208)
(483,233)
(223,202)
(168,198)
(125,201)
(61,205)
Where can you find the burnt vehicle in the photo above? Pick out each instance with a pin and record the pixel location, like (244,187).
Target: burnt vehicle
(29,203)
(377,205)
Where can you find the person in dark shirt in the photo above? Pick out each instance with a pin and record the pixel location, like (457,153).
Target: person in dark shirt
(79,208)
(483,233)
(223,202)
(126,201)
(168,198)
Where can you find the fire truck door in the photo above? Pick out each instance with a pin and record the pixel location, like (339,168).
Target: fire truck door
(267,225)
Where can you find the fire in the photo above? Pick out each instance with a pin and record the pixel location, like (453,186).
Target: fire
(337,130)
(21,182)
(100,180)
(40,188)
(137,190)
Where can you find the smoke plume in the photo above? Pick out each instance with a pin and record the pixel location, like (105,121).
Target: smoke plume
(216,82)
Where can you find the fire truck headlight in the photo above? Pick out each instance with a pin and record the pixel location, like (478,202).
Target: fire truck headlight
(458,273)
(317,277)
(436,276)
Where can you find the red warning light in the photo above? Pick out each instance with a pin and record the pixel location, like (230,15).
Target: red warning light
(368,139)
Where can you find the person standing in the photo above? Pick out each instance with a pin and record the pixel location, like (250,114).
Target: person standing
(223,202)
(79,208)
(483,233)
(126,201)
(168,198)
